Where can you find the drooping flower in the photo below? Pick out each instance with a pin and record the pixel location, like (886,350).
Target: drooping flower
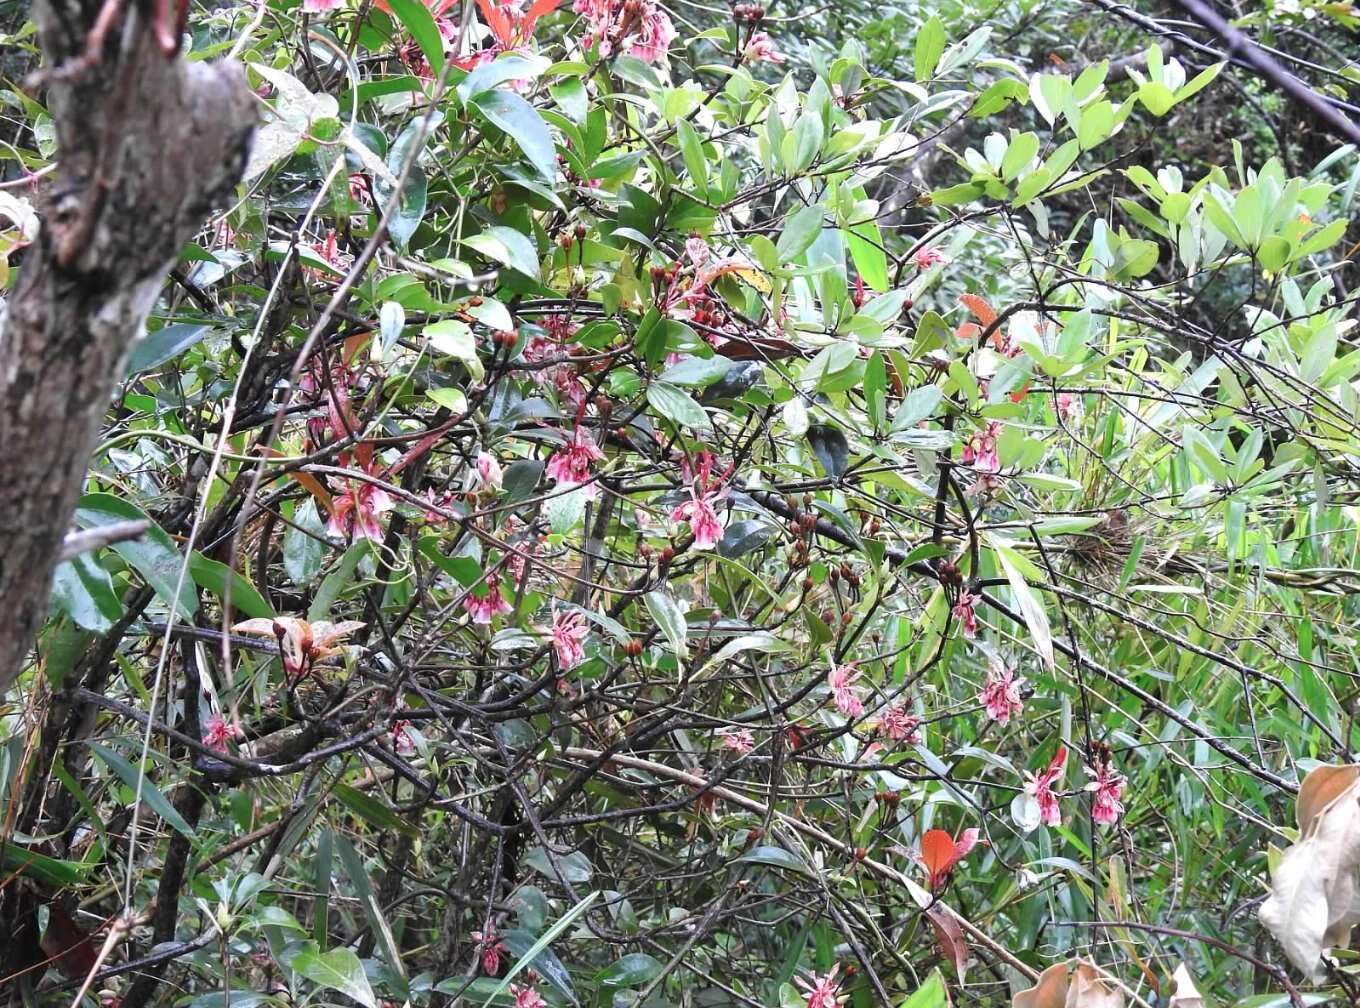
(761,49)
(571,463)
(1040,788)
(1107,789)
(1001,696)
(965,611)
(569,632)
(319,6)
(940,853)
(1069,405)
(928,256)
(822,990)
(527,997)
(218,731)
(737,739)
(328,251)
(359,504)
(402,742)
(842,680)
(492,604)
(699,510)
(489,471)
(492,948)
(980,449)
(899,725)
(301,643)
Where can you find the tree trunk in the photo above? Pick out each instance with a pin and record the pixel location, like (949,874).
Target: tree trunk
(148,144)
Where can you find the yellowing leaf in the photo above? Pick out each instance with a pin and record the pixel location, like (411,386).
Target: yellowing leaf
(1072,984)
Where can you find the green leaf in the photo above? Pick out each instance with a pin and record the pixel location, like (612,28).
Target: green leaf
(453,338)
(676,405)
(670,619)
(527,958)
(801,146)
(151,794)
(570,95)
(777,857)
(800,231)
(1030,607)
(508,246)
(696,371)
(338,970)
(304,546)
(692,152)
(358,877)
(84,591)
(1019,153)
(930,42)
(165,344)
(506,67)
(630,971)
(931,994)
(409,212)
(337,581)
(865,242)
(521,122)
(416,18)
(153,555)
(216,577)
(15,859)
(831,447)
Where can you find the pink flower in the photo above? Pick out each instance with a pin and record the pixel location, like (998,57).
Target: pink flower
(640,26)
(697,251)
(1001,695)
(571,463)
(980,449)
(1069,405)
(526,997)
(895,723)
(761,49)
(402,743)
(359,191)
(358,507)
(218,731)
(569,631)
(654,37)
(492,949)
(1108,789)
(739,740)
(965,611)
(821,990)
(319,6)
(489,471)
(1040,788)
(492,604)
(699,510)
(841,681)
(928,256)
(328,249)
(436,504)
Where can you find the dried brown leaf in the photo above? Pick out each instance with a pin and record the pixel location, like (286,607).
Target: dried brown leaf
(1322,787)
(1090,987)
(1050,991)
(1313,901)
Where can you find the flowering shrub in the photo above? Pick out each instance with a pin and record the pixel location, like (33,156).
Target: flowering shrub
(646,504)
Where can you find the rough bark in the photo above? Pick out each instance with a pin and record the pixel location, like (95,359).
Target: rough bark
(148,144)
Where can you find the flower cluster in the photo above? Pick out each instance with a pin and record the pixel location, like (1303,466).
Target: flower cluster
(637,28)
